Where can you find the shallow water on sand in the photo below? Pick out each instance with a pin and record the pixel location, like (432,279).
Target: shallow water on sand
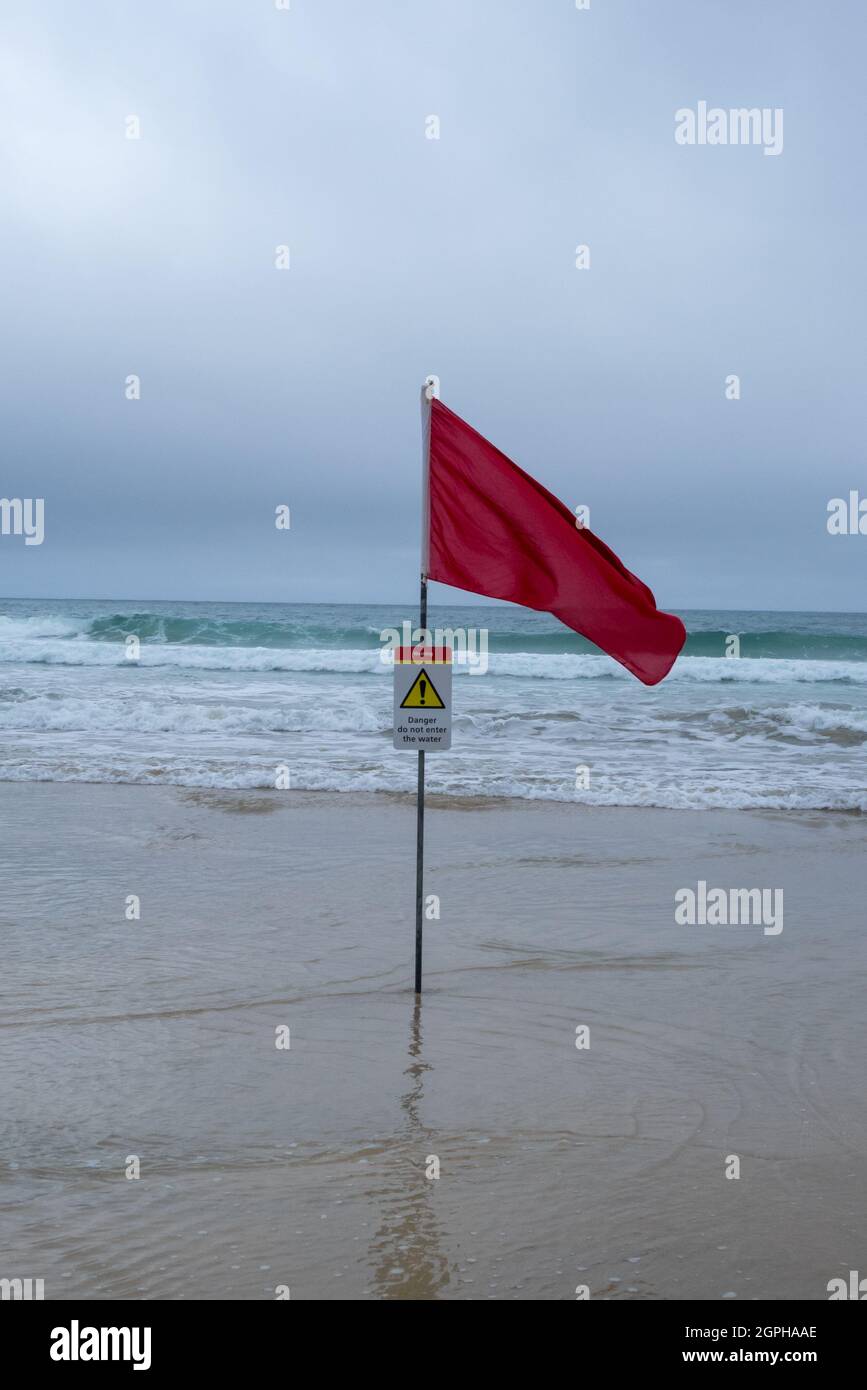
(306,1167)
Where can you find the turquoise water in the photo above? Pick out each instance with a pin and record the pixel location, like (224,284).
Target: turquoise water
(802,636)
(220,694)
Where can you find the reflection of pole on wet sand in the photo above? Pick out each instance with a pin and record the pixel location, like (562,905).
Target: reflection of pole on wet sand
(407,1259)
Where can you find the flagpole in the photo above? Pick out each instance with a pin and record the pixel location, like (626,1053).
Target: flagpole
(419,829)
(429,391)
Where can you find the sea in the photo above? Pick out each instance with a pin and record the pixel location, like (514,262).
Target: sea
(239,695)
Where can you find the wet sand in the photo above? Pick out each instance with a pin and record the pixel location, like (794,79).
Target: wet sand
(306,1167)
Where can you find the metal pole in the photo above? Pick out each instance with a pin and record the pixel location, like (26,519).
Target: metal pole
(419,835)
(430,390)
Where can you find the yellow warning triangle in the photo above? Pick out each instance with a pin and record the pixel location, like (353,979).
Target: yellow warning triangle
(422,694)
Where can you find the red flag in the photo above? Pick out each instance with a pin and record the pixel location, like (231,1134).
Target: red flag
(494,530)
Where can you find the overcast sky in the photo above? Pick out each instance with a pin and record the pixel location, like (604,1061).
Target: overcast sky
(307,127)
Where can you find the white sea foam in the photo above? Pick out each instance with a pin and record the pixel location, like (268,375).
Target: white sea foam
(784,733)
(166,715)
(248,774)
(41,649)
(40,625)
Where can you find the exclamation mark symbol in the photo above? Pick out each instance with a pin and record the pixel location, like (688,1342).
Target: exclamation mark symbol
(422,688)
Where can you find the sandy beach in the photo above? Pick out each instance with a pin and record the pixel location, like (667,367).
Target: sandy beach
(306,1166)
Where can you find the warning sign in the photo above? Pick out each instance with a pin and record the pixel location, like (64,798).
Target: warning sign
(422,694)
(423,697)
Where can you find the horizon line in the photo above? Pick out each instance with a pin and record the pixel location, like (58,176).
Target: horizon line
(395,603)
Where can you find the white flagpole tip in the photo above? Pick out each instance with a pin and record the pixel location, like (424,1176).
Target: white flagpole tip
(432,388)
